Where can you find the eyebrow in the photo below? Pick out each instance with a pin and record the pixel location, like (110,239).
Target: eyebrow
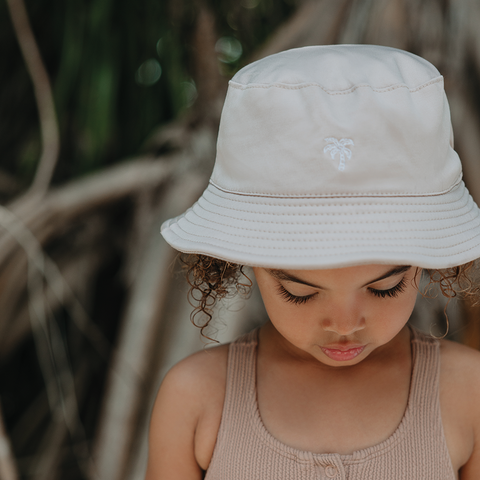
(394,271)
(282,275)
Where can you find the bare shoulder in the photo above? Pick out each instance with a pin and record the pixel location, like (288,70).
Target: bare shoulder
(460,362)
(460,367)
(198,373)
(186,415)
(459,398)
(192,383)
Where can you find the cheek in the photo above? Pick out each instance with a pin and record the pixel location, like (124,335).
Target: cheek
(396,313)
(278,310)
(270,299)
(408,301)
(288,319)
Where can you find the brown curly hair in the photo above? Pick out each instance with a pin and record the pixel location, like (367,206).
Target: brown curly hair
(212,279)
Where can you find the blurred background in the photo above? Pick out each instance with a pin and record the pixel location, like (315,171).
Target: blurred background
(108,120)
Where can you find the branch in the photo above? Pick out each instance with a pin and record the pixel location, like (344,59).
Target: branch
(313,23)
(211,86)
(43,95)
(80,196)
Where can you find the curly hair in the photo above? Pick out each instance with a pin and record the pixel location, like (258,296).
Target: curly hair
(211,279)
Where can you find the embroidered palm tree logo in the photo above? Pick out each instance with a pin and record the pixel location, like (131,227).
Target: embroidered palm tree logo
(339,146)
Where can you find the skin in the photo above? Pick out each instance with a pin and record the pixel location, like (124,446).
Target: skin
(356,398)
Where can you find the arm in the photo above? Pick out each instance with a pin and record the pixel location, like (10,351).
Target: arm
(174,419)
(471,469)
(460,404)
(186,417)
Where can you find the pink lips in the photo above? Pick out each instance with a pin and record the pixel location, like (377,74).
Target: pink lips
(342,353)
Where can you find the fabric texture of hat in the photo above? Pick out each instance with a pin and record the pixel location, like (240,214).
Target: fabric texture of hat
(334,156)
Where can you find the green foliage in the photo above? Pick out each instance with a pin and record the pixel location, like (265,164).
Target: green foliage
(118,70)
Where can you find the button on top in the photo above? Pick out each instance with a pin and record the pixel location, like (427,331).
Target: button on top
(331,471)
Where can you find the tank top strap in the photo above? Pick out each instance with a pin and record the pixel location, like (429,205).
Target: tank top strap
(240,388)
(425,380)
(425,389)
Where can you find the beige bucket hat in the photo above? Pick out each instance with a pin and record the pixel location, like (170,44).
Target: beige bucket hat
(334,156)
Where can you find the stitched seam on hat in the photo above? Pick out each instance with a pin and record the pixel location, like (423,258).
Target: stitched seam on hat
(309,232)
(372,203)
(370,222)
(350,213)
(319,239)
(286,86)
(342,194)
(356,212)
(331,246)
(331,215)
(296,255)
(389,245)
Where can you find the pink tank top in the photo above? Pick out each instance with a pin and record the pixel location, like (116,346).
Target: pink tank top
(245,450)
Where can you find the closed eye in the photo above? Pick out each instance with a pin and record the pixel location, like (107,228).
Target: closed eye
(300,300)
(391,292)
(289,297)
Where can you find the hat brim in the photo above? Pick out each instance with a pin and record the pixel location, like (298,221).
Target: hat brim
(434,231)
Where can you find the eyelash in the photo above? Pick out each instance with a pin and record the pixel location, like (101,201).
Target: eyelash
(286,295)
(390,293)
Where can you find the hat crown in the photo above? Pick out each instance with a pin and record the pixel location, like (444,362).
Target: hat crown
(344,120)
(338,68)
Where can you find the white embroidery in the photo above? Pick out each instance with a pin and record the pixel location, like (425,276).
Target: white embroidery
(339,146)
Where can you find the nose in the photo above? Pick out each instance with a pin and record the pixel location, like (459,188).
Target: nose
(343,328)
(344,321)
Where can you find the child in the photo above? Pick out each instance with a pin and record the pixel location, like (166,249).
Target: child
(336,180)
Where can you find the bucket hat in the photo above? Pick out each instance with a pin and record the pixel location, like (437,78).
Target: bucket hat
(334,156)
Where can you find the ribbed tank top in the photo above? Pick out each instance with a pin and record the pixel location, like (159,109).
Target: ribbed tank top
(245,450)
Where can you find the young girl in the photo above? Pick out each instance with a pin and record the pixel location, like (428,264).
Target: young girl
(336,180)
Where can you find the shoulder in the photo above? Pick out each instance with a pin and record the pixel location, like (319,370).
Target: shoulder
(198,373)
(460,364)
(459,398)
(460,373)
(186,415)
(195,383)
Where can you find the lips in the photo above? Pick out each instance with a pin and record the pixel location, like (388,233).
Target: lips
(343,353)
